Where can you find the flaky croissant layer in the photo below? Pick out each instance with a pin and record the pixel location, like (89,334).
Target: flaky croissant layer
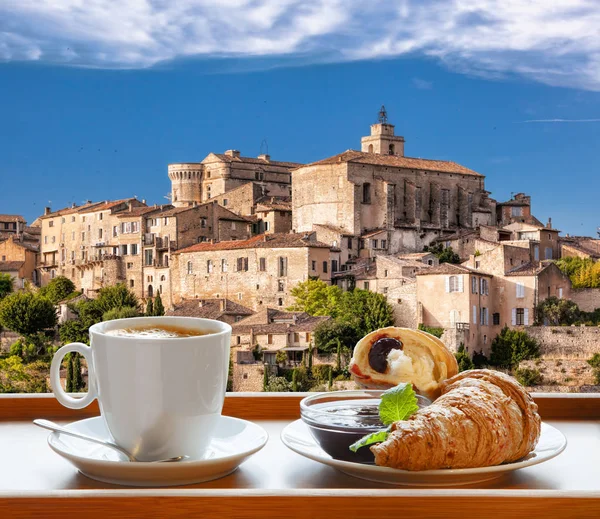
(483,418)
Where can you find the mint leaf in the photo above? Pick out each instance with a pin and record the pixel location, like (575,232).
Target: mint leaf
(370,439)
(397,404)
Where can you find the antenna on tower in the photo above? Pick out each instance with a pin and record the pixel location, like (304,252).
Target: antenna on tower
(264,147)
(382,116)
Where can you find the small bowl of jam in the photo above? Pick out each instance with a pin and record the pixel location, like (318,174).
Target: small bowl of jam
(339,418)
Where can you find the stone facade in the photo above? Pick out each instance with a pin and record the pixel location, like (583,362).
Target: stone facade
(258,272)
(567,342)
(412,201)
(588,299)
(18,258)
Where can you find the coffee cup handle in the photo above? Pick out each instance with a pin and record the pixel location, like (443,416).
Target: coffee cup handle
(59,393)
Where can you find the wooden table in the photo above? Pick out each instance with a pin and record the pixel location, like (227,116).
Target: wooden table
(276,482)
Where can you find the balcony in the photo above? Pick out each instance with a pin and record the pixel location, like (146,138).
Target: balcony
(148,239)
(162,243)
(462,326)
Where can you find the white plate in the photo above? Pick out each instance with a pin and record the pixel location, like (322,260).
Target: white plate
(297,437)
(235,440)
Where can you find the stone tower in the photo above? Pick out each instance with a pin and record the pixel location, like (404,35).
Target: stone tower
(185,183)
(382,139)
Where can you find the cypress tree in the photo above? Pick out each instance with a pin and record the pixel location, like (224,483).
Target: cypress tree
(330,381)
(70,381)
(78,379)
(295,380)
(339,355)
(266,378)
(159,309)
(149,308)
(310,356)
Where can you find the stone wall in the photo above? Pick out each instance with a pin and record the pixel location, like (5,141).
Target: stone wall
(403,299)
(566,342)
(250,377)
(588,299)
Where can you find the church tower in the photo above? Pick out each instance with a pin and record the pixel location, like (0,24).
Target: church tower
(382,139)
(185,184)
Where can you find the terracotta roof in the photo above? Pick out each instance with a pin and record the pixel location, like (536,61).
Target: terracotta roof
(275,321)
(333,228)
(34,247)
(532,268)
(273,206)
(373,233)
(103,206)
(253,160)
(140,211)
(69,210)
(209,308)
(262,241)
(450,269)
(395,161)
(11,218)
(10,266)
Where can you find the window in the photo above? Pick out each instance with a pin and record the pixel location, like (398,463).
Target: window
(516,211)
(238,318)
(520,290)
(366,193)
(350,243)
(45,239)
(282,267)
(267,226)
(262,264)
(131,283)
(51,223)
(484,287)
(361,244)
(209,266)
(334,265)
(375,243)
(123,250)
(133,249)
(536,253)
(73,235)
(454,284)
(83,235)
(550,236)
(225,201)
(324,267)
(560,293)
(130,265)
(99,234)
(483,319)
(148,257)
(53,239)
(280,302)
(384,244)
(485,339)
(520,316)
(496,319)
(203,222)
(296,337)
(83,218)
(242,264)
(224,266)
(391,149)
(240,296)
(548,253)
(474,314)
(384,290)
(269,339)
(473,285)
(72,218)
(314,265)
(366,285)
(62,220)
(116,230)
(280,285)
(233,226)
(53,274)
(3,258)
(477,264)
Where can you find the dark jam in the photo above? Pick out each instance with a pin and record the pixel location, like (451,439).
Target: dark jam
(379,352)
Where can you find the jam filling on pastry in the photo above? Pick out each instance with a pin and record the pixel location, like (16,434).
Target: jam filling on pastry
(378,355)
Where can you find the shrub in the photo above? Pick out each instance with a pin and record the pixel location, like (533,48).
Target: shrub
(278,385)
(26,313)
(528,376)
(58,289)
(6,284)
(320,372)
(281,357)
(464,361)
(594,361)
(121,313)
(438,332)
(479,359)
(511,347)
(555,312)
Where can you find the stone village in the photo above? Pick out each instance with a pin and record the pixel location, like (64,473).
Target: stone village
(241,232)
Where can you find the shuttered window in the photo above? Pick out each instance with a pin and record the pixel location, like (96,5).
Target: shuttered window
(520,290)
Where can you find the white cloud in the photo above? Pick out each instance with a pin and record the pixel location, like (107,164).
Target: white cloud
(422,84)
(552,41)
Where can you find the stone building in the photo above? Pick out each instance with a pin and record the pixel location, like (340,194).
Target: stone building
(257,272)
(221,173)
(378,196)
(517,209)
(18,258)
(11,225)
(221,309)
(498,288)
(580,247)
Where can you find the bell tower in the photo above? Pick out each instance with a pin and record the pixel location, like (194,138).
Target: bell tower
(382,139)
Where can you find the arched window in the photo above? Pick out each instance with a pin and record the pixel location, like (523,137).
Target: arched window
(162,278)
(370,148)
(189,267)
(150,291)
(392,149)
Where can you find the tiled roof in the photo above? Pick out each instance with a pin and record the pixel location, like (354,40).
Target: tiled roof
(10,266)
(253,160)
(140,211)
(29,245)
(209,308)
(103,206)
(333,228)
(11,218)
(273,206)
(359,157)
(262,241)
(70,210)
(532,268)
(373,233)
(274,321)
(414,255)
(451,269)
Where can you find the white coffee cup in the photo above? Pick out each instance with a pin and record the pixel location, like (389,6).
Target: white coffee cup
(159,397)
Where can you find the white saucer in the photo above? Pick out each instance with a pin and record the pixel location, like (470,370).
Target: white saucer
(235,440)
(297,437)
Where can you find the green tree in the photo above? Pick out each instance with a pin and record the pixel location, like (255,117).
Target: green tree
(310,357)
(18,377)
(27,314)
(583,272)
(117,296)
(70,378)
(266,378)
(510,347)
(295,380)
(73,331)
(121,313)
(6,284)
(315,297)
(338,356)
(437,332)
(444,254)
(330,379)
(58,289)
(463,359)
(556,312)
(528,376)
(159,309)
(78,377)
(328,333)
(366,311)
(149,308)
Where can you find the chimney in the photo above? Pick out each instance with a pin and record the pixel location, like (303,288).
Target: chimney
(549,224)
(233,153)
(47,210)
(73,205)
(144,201)
(222,304)
(265,157)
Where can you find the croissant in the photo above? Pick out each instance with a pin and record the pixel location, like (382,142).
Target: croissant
(483,418)
(388,356)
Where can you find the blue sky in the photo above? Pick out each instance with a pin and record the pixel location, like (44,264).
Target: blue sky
(99,113)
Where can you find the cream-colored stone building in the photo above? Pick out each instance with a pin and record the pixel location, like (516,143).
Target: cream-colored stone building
(256,273)
(385,201)
(18,258)
(220,173)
